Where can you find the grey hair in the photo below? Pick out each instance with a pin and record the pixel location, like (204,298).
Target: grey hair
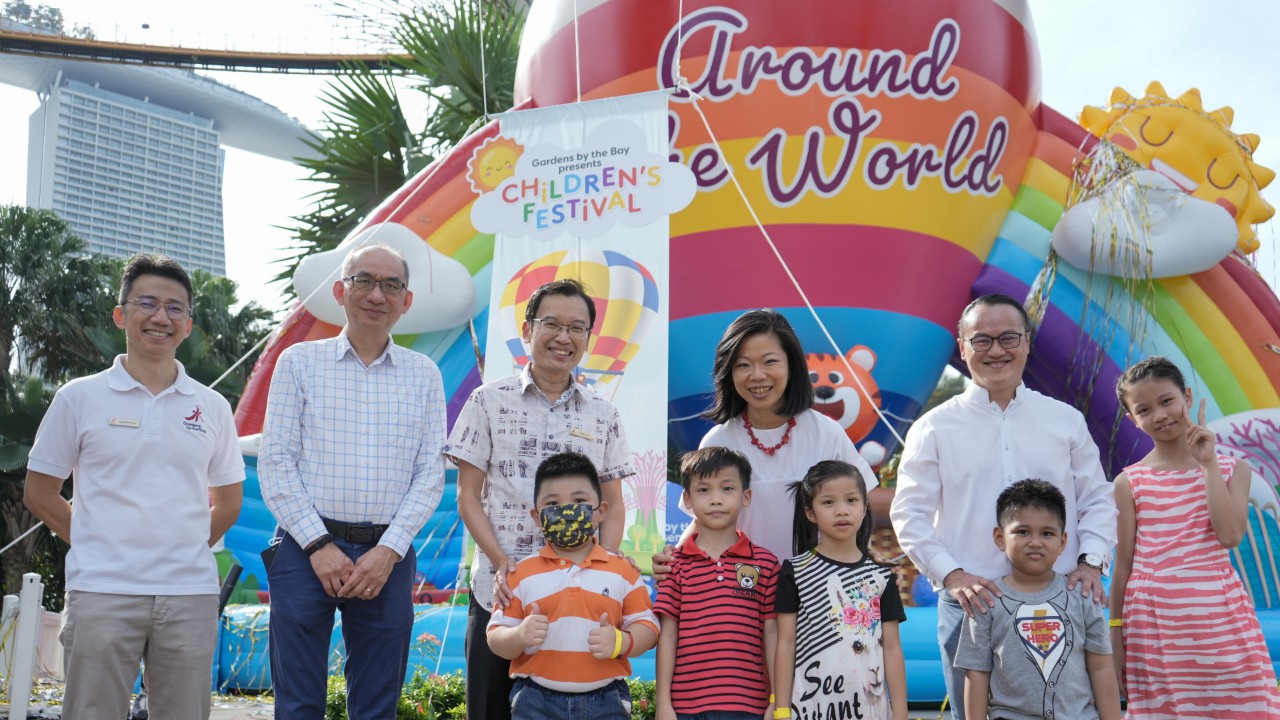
(348,265)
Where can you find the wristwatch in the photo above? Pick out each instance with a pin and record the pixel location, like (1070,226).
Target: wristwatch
(318,543)
(1090,560)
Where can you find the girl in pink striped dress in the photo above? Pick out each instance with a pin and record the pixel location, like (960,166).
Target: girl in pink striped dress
(1185,638)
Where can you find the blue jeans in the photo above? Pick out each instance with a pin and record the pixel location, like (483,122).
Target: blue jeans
(376,633)
(531,701)
(950,624)
(720,715)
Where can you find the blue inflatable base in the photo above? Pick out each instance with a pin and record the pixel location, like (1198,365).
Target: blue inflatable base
(242,662)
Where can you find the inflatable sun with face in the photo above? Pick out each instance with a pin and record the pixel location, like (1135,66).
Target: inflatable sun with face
(494,161)
(1195,149)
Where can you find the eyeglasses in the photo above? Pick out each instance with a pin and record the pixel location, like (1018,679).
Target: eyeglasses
(983,343)
(364,283)
(150,306)
(577,332)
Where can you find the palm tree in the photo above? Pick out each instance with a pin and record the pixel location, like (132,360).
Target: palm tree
(25,401)
(49,285)
(367,148)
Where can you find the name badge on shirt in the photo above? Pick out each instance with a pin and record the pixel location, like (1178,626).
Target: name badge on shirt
(123,422)
(582,434)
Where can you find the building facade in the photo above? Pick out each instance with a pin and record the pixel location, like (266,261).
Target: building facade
(127,174)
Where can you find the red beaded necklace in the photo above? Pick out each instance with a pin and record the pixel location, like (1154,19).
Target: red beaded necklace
(786,436)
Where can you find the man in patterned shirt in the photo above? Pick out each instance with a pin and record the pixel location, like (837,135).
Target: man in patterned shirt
(506,429)
(351,468)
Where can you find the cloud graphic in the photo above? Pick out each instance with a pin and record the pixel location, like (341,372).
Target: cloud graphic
(444,295)
(1152,220)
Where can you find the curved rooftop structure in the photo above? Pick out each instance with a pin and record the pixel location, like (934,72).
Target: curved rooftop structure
(243,121)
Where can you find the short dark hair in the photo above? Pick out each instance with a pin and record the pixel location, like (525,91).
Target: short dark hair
(1031,493)
(991,300)
(798,396)
(563,465)
(710,460)
(1156,367)
(568,287)
(153,264)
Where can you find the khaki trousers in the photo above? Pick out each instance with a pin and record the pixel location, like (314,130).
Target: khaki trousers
(105,637)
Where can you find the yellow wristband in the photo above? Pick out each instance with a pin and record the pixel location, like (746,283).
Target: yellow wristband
(771,699)
(617,643)
(779,713)
(1118,622)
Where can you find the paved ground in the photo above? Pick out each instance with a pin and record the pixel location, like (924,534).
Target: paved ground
(256,710)
(241,710)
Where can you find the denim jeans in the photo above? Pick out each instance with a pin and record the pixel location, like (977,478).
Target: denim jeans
(531,701)
(950,625)
(720,715)
(375,632)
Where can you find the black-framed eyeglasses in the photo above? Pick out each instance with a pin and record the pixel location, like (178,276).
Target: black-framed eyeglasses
(364,283)
(577,332)
(983,343)
(149,306)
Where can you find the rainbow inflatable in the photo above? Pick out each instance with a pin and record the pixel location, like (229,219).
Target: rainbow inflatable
(902,162)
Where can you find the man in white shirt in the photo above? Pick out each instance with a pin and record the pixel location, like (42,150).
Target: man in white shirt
(150,449)
(506,429)
(959,457)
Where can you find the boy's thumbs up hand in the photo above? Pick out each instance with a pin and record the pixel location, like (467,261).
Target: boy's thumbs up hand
(533,628)
(603,639)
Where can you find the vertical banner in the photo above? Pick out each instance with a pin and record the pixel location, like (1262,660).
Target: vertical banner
(584,191)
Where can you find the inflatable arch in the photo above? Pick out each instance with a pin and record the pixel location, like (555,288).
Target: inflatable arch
(903,163)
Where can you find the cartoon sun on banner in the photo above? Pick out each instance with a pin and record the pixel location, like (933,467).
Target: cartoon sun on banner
(494,161)
(626,298)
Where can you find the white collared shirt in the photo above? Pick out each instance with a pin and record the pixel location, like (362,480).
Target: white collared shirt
(353,443)
(963,453)
(143,467)
(507,428)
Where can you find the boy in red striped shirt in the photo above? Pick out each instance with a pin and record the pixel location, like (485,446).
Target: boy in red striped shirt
(577,611)
(716,648)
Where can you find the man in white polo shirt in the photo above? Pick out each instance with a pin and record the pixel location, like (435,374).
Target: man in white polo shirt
(158,476)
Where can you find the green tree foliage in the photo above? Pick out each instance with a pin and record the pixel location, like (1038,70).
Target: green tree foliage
(362,151)
(45,19)
(40,18)
(49,286)
(447,48)
(367,148)
(24,404)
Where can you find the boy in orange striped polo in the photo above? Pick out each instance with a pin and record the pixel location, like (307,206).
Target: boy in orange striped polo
(577,611)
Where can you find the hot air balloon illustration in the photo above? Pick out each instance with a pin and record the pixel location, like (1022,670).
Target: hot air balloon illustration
(626,299)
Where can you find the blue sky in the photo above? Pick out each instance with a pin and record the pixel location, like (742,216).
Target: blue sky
(1228,49)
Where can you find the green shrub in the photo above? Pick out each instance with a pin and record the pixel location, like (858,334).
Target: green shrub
(443,697)
(642,703)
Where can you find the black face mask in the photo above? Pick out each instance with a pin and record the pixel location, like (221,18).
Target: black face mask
(568,525)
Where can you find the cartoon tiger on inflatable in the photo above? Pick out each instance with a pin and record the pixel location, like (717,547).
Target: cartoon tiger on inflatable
(837,395)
